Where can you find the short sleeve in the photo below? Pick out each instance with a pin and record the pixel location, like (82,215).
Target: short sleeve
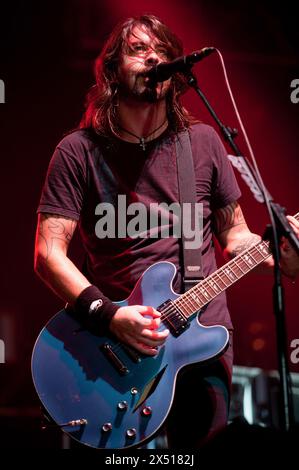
(225,187)
(63,190)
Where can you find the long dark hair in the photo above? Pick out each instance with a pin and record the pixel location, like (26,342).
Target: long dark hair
(101,112)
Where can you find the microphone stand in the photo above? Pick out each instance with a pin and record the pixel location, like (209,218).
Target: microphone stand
(280,227)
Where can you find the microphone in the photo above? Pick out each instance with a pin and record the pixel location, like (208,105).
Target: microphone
(164,70)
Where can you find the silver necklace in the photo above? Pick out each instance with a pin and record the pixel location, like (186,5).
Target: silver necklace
(143,139)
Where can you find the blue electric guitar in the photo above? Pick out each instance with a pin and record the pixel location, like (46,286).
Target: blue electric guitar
(107,395)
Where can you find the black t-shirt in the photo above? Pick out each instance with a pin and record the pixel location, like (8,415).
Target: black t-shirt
(87,170)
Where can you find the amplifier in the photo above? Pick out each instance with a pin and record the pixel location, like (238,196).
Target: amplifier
(255,396)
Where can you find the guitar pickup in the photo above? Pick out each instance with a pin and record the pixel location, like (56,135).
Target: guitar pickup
(175,320)
(114,359)
(132,353)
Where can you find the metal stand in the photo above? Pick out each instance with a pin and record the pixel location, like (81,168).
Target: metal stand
(279,227)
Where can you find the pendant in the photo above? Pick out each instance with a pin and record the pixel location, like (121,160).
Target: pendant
(142,143)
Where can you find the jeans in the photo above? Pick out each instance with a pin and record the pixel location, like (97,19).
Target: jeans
(201,402)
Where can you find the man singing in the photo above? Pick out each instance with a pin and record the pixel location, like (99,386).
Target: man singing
(126,146)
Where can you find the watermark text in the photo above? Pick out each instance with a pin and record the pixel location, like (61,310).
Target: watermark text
(2,91)
(295,353)
(154,220)
(2,352)
(295,93)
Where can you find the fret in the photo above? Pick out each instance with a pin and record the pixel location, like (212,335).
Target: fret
(187,301)
(259,255)
(217,274)
(235,261)
(221,270)
(247,261)
(185,304)
(195,297)
(245,266)
(213,286)
(250,255)
(230,274)
(199,293)
(185,309)
(190,297)
(212,279)
(254,251)
(263,250)
(205,294)
(196,303)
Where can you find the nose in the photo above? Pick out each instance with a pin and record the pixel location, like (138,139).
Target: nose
(152,58)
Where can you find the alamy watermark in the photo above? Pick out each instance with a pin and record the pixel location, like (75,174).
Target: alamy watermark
(295,93)
(156,220)
(2,91)
(2,352)
(295,353)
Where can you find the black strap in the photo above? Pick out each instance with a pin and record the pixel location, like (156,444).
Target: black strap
(192,259)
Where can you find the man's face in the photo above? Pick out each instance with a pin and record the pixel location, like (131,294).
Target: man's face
(143,52)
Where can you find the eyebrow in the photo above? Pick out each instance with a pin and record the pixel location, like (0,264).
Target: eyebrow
(141,42)
(138,41)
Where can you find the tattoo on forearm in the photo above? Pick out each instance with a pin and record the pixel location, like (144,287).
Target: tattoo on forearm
(245,244)
(55,225)
(228,217)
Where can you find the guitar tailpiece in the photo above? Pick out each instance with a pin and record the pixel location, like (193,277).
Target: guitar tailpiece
(73,423)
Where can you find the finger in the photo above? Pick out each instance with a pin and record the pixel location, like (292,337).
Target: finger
(155,336)
(156,313)
(145,349)
(295,228)
(151,343)
(293,219)
(148,310)
(151,324)
(294,223)
(154,324)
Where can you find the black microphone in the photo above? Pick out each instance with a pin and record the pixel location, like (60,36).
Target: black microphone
(163,71)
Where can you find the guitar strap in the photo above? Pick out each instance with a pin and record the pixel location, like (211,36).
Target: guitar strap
(192,271)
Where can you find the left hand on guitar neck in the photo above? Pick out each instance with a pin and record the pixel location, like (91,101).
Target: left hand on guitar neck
(289,258)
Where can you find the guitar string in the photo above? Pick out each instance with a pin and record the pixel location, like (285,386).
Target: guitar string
(221,274)
(166,313)
(259,248)
(170,309)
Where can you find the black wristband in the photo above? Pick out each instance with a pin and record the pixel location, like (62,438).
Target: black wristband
(98,319)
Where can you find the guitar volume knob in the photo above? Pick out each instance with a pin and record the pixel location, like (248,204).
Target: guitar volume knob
(122,405)
(131,433)
(146,411)
(107,427)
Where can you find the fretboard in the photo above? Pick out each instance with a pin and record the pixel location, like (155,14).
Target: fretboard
(207,289)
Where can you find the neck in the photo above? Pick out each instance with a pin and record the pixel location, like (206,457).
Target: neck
(142,119)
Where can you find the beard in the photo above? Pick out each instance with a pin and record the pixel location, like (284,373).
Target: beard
(143,91)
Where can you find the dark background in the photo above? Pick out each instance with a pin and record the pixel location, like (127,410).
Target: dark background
(46,61)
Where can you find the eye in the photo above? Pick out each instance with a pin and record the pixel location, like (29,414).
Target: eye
(139,47)
(162,51)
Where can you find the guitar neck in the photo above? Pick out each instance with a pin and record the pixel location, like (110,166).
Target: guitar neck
(209,288)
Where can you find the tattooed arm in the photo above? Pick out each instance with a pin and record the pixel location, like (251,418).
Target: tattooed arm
(51,263)
(129,324)
(234,237)
(233,233)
